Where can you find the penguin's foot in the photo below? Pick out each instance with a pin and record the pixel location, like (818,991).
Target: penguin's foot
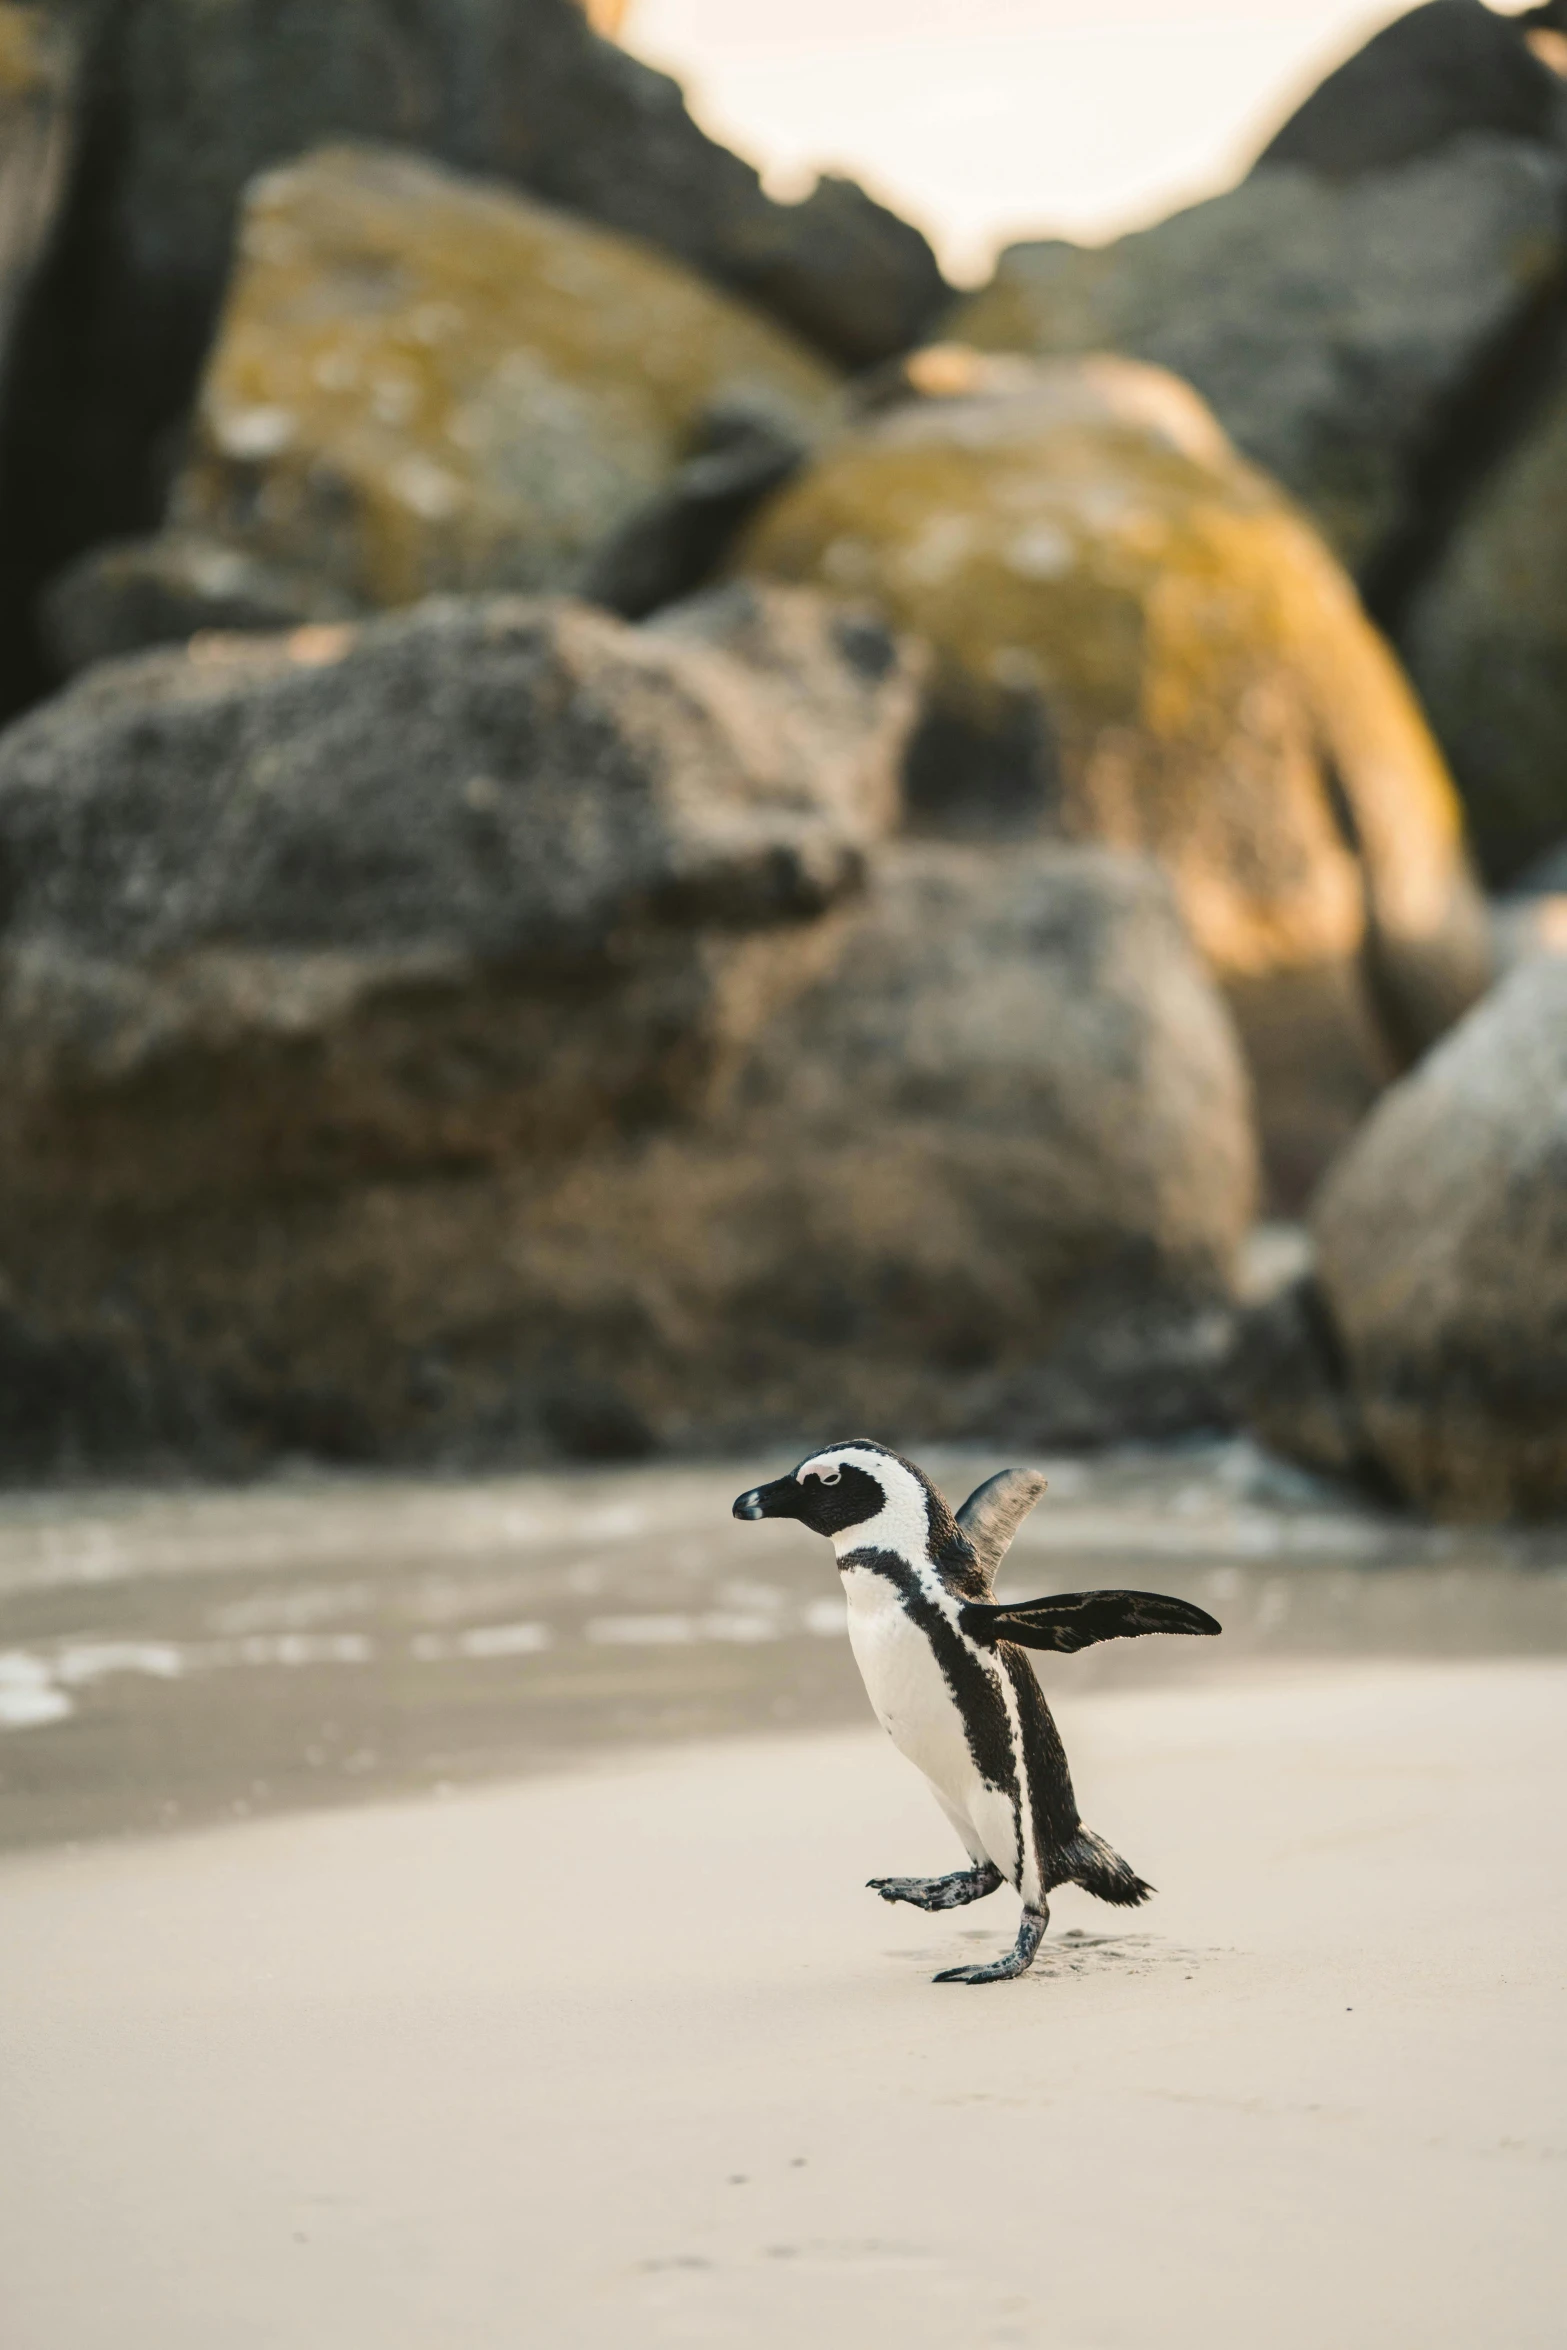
(953,1892)
(1030,1933)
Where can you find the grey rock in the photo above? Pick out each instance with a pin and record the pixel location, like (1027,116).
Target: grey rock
(478,880)
(1533,922)
(158,591)
(1291,1380)
(986,1177)
(1442,1252)
(1449,67)
(1336,328)
(1012,1137)
(185,101)
(1486,643)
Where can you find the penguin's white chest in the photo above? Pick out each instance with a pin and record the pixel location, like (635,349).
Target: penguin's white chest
(911,1696)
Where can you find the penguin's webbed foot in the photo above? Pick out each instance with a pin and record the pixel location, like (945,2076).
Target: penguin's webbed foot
(953,1892)
(1030,1933)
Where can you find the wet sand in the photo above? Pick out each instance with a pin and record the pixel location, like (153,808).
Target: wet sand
(629,2058)
(169,1659)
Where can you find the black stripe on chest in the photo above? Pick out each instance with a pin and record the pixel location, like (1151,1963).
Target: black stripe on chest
(975,1690)
(1050,1796)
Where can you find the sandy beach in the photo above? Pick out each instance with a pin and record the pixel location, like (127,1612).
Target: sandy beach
(727,734)
(629,2057)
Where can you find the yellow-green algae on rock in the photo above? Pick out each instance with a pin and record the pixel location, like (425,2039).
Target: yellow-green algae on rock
(1082,546)
(1333,323)
(425,382)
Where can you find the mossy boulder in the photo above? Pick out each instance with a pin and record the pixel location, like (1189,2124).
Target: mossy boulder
(1139,640)
(187,100)
(424,382)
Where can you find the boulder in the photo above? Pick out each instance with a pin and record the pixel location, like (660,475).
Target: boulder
(1442,1253)
(187,100)
(1449,67)
(996,1167)
(1486,642)
(987,1177)
(289,911)
(1352,336)
(1290,1382)
(425,383)
(1138,640)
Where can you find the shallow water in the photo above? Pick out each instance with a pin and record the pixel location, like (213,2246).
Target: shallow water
(174,1657)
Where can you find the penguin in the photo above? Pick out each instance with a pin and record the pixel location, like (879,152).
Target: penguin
(944,1669)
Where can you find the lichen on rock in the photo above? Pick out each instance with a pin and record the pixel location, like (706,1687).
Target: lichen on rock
(187,100)
(1138,640)
(1335,325)
(425,383)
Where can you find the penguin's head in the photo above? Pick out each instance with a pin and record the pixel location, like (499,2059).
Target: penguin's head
(834,1491)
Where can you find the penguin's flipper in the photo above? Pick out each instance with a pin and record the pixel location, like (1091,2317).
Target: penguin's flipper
(1077,1619)
(994,1511)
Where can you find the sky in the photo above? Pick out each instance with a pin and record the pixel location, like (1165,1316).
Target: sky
(986,120)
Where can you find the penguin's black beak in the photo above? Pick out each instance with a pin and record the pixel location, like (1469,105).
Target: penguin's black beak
(781,1499)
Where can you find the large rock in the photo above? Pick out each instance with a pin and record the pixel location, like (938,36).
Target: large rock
(986,1178)
(186,100)
(1290,1382)
(293,911)
(1486,641)
(425,383)
(1139,641)
(1348,334)
(1446,68)
(997,1166)
(1442,1255)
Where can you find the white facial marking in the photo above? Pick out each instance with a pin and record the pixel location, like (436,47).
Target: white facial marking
(903,1521)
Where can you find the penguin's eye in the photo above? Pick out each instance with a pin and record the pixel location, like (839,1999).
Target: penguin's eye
(831,1476)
